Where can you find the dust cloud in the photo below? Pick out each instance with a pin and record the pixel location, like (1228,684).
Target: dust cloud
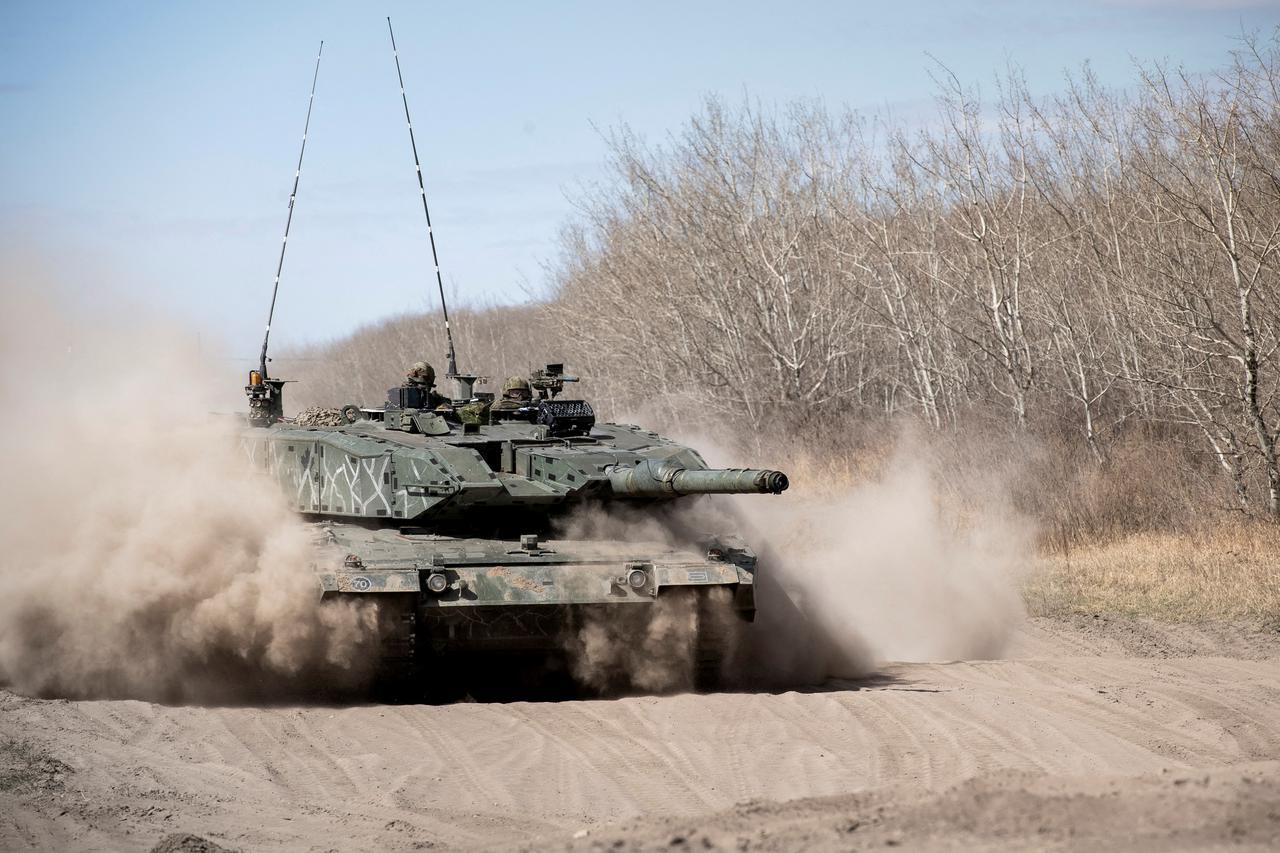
(615,649)
(637,648)
(882,572)
(142,557)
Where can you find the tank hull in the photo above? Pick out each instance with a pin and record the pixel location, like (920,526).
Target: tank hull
(448,603)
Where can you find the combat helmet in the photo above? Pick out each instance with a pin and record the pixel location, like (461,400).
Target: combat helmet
(517,383)
(423,372)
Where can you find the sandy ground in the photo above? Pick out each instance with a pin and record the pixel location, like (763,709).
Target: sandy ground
(1090,732)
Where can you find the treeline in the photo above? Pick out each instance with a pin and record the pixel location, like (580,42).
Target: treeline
(497,341)
(1092,260)
(1091,270)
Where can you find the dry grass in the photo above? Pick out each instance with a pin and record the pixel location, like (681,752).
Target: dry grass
(1229,572)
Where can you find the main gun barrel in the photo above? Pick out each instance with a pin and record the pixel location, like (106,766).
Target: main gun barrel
(658,480)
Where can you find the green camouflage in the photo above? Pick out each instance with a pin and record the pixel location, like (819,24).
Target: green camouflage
(475,412)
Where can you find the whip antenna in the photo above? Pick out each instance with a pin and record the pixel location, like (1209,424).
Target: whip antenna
(275,288)
(435,259)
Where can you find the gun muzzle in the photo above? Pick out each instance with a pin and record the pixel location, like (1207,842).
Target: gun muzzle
(659,480)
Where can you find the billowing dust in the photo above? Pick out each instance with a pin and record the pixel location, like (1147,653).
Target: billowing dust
(881,572)
(142,558)
(642,648)
(633,647)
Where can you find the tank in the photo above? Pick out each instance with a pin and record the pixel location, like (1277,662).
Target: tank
(454,516)
(450,515)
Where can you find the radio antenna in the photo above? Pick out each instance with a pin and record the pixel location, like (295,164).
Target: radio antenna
(435,259)
(275,288)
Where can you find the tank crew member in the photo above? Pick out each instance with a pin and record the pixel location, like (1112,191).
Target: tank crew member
(516,394)
(423,376)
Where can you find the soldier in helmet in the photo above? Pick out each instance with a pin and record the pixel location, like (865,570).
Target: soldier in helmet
(516,394)
(423,376)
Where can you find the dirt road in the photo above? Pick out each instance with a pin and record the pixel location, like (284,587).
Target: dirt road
(1095,730)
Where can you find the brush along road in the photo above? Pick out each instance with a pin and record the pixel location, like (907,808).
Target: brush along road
(1093,732)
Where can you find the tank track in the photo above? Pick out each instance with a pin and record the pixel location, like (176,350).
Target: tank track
(396,675)
(716,641)
(409,670)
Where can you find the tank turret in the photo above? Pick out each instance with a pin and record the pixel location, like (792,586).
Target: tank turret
(406,463)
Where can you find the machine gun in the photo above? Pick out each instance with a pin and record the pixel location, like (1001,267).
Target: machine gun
(549,381)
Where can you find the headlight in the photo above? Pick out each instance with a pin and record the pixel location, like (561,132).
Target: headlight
(637,579)
(437,582)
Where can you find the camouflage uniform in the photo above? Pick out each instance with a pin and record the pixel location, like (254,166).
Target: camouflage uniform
(516,394)
(475,412)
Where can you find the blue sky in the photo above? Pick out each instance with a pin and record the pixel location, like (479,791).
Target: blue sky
(152,145)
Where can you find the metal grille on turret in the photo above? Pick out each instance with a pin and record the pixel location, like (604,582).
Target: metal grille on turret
(566,417)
